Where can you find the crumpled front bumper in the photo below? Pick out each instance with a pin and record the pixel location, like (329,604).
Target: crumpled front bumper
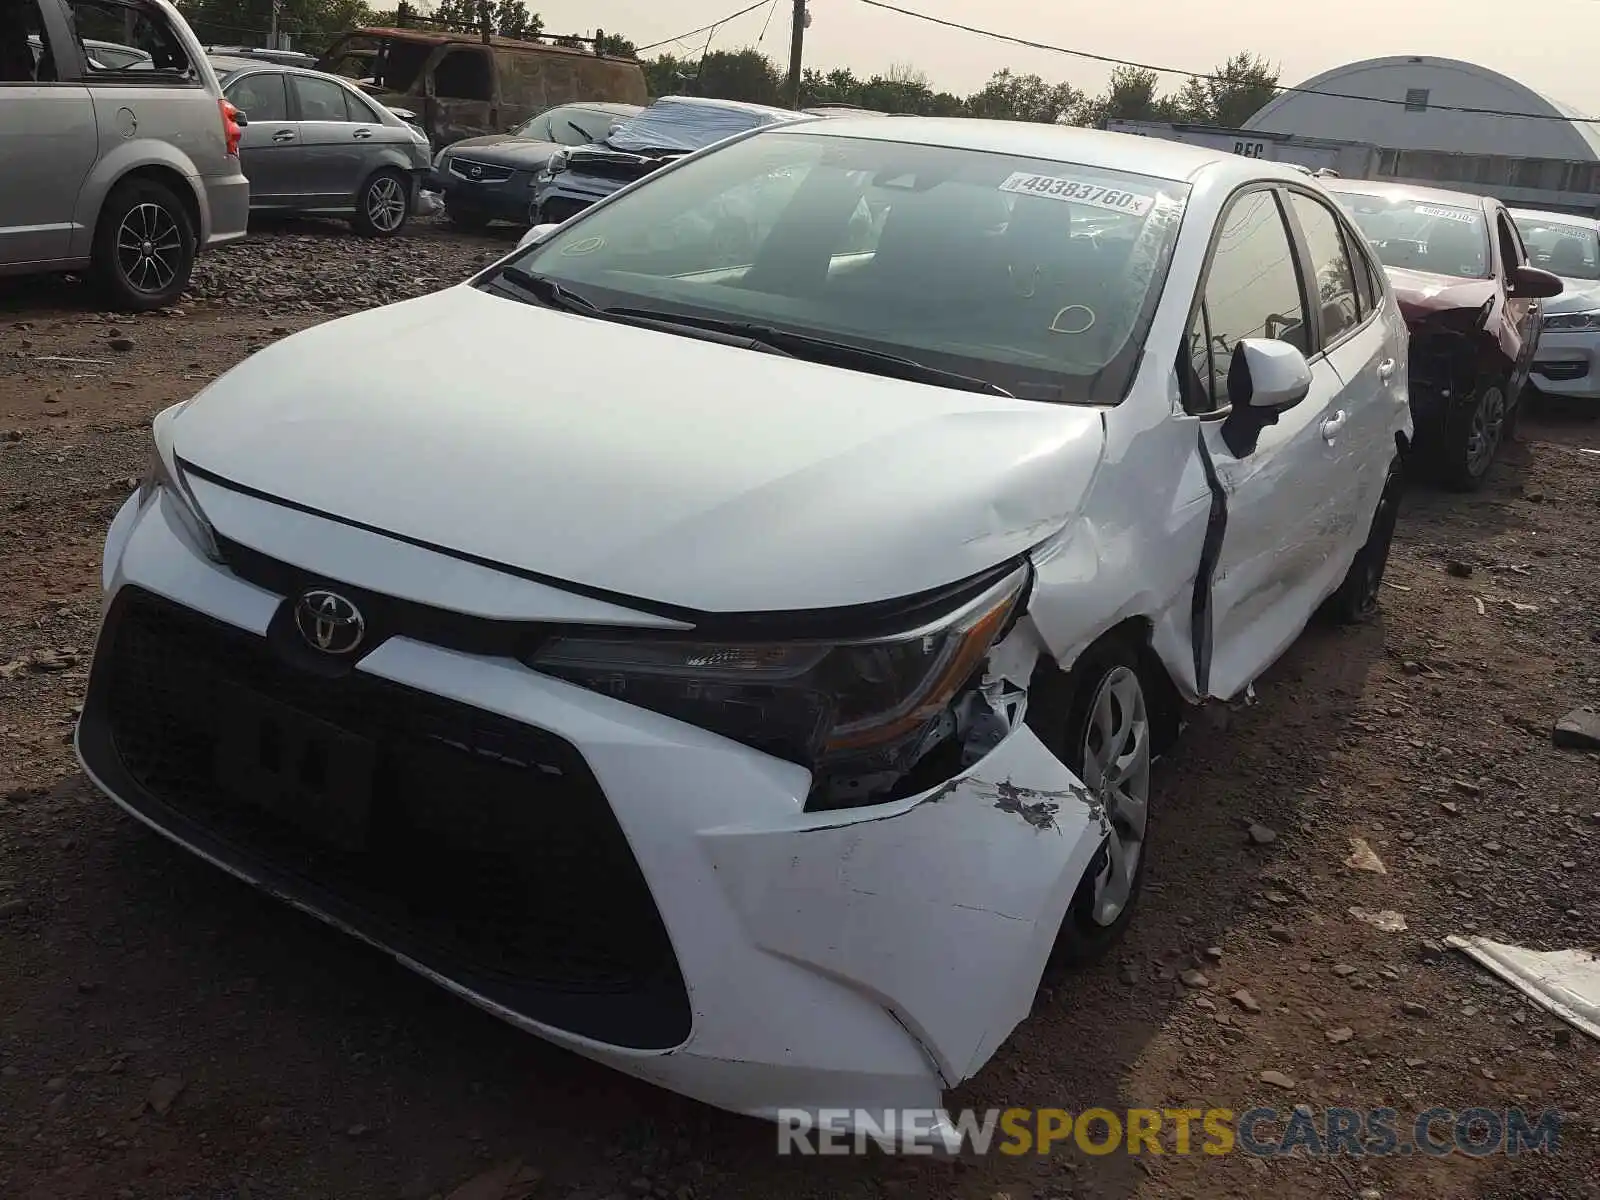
(863,958)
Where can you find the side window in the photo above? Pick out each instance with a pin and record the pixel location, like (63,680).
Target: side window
(260,97)
(141,29)
(319,99)
(22,46)
(1329,266)
(463,75)
(360,110)
(1252,290)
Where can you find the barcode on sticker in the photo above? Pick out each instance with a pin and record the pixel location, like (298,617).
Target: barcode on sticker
(1449,214)
(1078,191)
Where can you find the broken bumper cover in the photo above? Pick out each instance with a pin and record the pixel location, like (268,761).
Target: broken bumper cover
(864,958)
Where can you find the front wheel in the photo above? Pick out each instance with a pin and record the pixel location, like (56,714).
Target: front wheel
(144,246)
(383,205)
(1472,435)
(1107,740)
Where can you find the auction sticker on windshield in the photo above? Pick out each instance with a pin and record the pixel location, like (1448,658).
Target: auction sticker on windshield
(1078,191)
(1450,214)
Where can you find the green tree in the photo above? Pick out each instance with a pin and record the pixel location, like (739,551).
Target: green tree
(611,43)
(744,74)
(1130,95)
(512,19)
(1240,88)
(1009,97)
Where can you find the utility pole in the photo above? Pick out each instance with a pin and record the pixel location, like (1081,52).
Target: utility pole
(796,45)
(272,33)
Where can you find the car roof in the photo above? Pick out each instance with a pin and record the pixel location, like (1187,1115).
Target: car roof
(229,67)
(1407,191)
(605,106)
(1555,218)
(1155,157)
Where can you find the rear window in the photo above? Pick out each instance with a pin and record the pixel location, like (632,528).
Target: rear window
(1571,251)
(1421,235)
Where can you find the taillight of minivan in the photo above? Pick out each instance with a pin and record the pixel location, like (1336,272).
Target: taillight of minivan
(230,127)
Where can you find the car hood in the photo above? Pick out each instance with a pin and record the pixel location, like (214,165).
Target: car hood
(650,465)
(1422,293)
(502,148)
(1578,295)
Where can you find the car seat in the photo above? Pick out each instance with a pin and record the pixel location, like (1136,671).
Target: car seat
(1569,257)
(1454,248)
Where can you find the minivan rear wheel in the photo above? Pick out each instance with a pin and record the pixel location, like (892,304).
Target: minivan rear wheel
(144,246)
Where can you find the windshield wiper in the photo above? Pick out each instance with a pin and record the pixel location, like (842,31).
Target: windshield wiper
(548,292)
(817,349)
(582,132)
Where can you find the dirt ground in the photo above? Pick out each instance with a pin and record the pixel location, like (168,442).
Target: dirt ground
(165,1032)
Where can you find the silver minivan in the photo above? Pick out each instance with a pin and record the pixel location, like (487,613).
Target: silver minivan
(129,169)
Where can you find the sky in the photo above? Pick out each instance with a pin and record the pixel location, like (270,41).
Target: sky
(1159,32)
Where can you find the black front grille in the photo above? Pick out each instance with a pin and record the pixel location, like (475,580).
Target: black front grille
(1562,370)
(558,208)
(487,850)
(479,172)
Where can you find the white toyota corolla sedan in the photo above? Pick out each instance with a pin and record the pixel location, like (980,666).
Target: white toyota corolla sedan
(728,637)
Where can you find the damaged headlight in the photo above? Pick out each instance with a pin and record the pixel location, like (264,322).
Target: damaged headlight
(161,476)
(862,707)
(1572,320)
(554,165)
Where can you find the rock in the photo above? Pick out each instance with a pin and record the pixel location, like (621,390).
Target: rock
(1342,1034)
(1281,933)
(1466,787)
(162,1094)
(123,344)
(1194,979)
(1363,858)
(358,1131)
(57,1084)
(1578,730)
(1412,1009)
(1343,970)
(1129,974)
(14,908)
(1458,569)
(1214,953)
(1205,1002)
(1450,807)
(1369,1194)
(1278,1079)
(1245,1000)
(1260,835)
(491,1184)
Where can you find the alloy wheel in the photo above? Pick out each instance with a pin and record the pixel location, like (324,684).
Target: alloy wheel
(1483,435)
(1116,769)
(386,204)
(149,248)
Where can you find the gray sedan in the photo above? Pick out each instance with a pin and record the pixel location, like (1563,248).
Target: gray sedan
(315,144)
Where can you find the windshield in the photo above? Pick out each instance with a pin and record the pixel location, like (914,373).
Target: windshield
(1444,239)
(1571,251)
(673,125)
(382,64)
(1035,276)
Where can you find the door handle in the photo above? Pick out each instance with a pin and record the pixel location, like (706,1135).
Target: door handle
(1386,368)
(283,135)
(1332,426)
(362,134)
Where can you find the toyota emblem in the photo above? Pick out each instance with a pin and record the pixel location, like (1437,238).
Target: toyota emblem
(329,622)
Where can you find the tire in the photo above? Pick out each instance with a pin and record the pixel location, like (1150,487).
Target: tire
(466,222)
(1472,434)
(1109,681)
(1357,598)
(383,205)
(144,246)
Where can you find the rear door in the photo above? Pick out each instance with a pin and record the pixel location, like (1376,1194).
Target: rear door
(270,151)
(333,154)
(1282,499)
(48,137)
(1365,352)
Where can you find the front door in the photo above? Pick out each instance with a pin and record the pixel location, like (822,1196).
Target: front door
(48,139)
(1282,497)
(1523,317)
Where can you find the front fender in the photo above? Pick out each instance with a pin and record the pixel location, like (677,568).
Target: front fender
(129,156)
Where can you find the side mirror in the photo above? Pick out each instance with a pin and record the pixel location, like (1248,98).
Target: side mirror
(1530,283)
(537,234)
(239,119)
(1265,378)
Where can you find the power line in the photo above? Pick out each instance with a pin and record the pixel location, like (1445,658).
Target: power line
(1277,88)
(702,28)
(767,22)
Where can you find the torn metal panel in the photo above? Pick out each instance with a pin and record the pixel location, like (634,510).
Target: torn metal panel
(1563,982)
(945,912)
